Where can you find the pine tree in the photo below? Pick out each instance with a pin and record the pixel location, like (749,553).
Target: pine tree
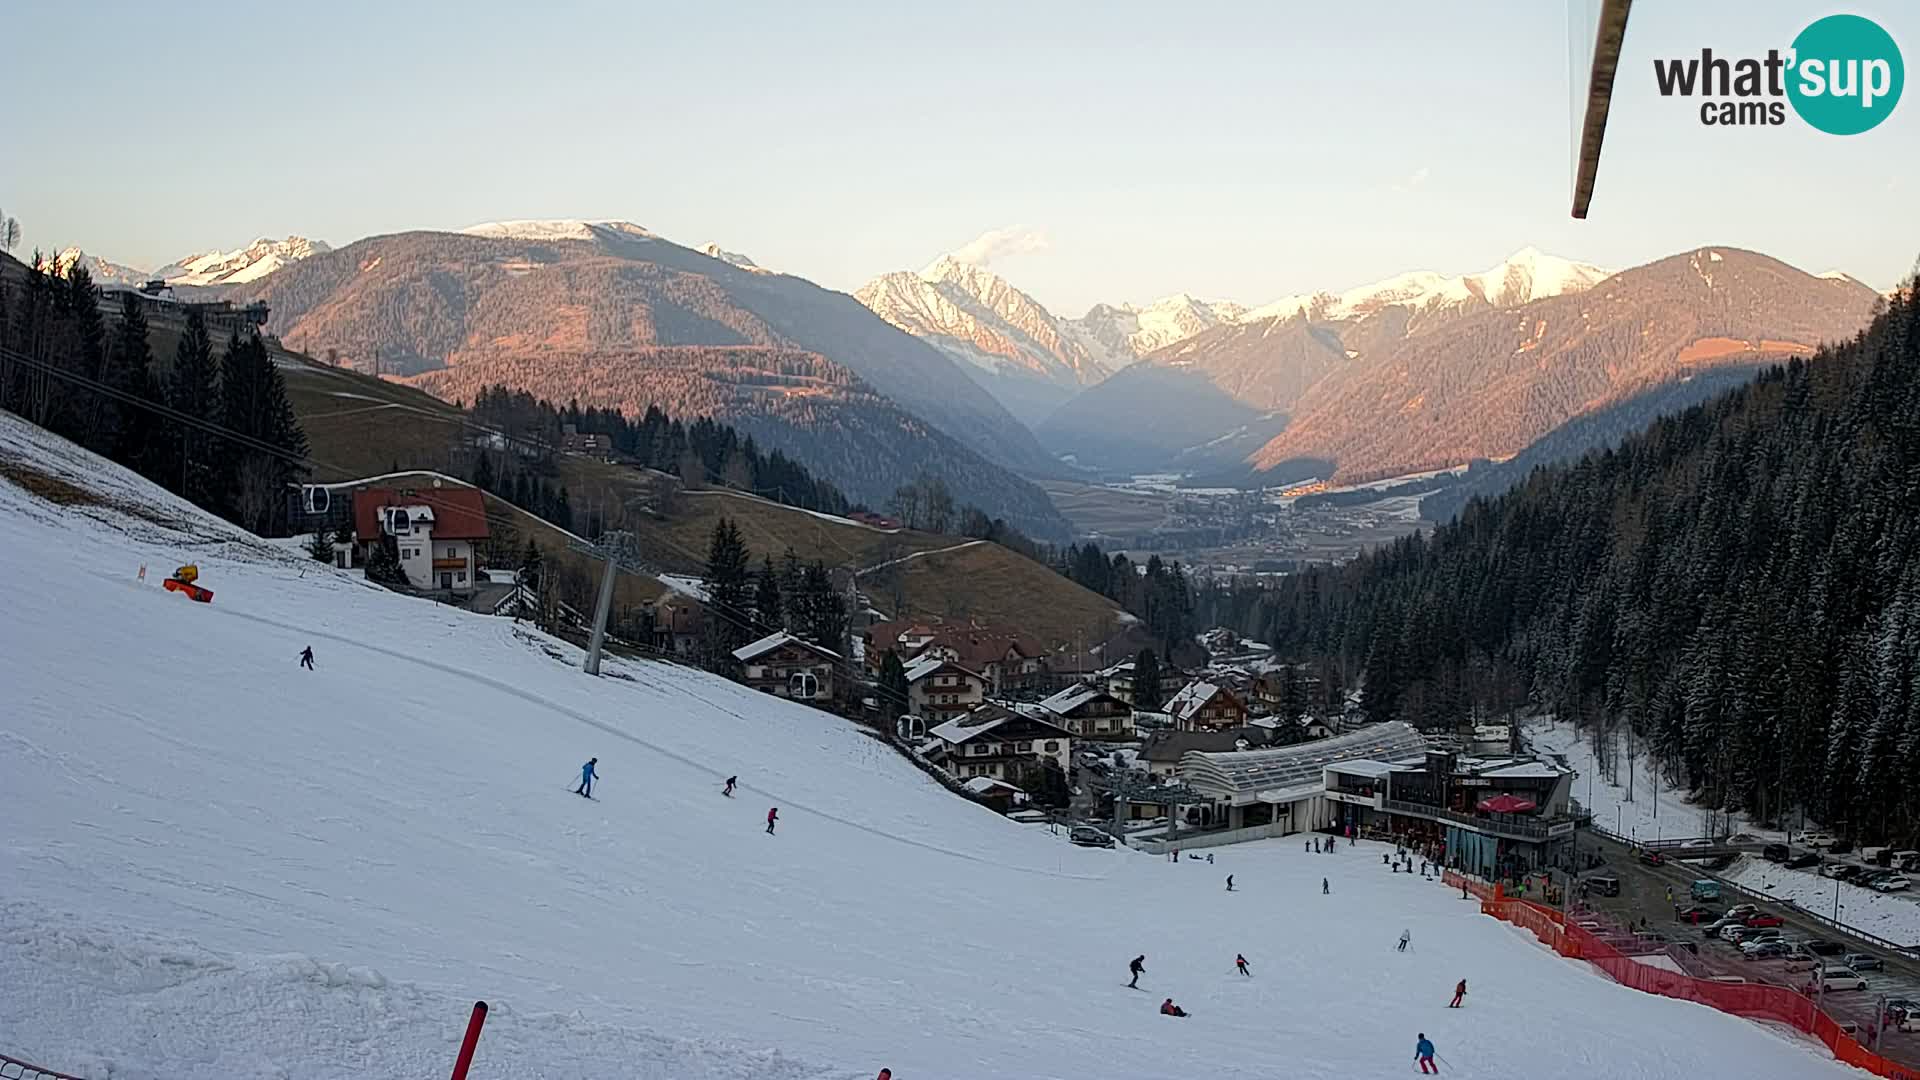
(321,546)
(769,609)
(141,442)
(894,700)
(194,391)
(483,471)
(1146,681)
(728,595)
(826,624)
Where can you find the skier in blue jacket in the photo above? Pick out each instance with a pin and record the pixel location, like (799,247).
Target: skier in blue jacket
(1423,1053)
(587,777)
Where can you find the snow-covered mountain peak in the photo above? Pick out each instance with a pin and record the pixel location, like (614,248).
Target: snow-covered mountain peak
(732,258)
(250,263)
(551,229)
(1527,275)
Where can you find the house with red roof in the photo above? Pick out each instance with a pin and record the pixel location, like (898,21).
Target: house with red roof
(433,531)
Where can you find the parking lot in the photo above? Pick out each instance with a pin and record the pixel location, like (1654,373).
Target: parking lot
(1643,899)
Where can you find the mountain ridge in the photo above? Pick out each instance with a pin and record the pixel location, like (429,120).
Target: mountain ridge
(422,301)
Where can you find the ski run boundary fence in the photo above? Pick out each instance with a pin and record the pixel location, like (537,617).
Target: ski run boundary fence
(1753,1001)
(15,1069)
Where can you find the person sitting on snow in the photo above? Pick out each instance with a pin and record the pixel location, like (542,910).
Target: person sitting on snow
(1168,1008)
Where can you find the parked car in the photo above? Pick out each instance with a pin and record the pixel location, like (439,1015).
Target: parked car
(1839,870)
(1836,977)
(1892,883)
(1764,918)
(1840,847)
(1774,853)
(1908,861)
(1817,840)
(1798,958)
(1802,861)
(1871,877)
(1698,913)
(1877,855)
(1860,961)
(1605,885)
(1740,935)
(1902,1012)
(1706,889)
(1764,950)
(1088,836)
(1741,911)
(1823,947)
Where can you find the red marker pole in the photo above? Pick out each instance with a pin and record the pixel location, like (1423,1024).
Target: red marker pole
(467,1044)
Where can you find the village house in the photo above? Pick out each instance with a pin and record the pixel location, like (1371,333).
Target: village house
(1269,692)
(1010,662)
(999,742)
(573,442)
(677,624)
(940,690)
(433,531)
(1203,706)
(1118,679)
(1090,712)
(786,666)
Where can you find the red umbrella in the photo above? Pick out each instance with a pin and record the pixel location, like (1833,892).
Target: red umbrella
(1506,804)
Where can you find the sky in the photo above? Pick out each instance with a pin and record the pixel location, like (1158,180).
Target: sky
(1120,151)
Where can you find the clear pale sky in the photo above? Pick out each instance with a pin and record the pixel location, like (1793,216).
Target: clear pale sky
(1238,150)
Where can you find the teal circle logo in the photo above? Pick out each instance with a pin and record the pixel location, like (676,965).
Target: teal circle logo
(1846,76)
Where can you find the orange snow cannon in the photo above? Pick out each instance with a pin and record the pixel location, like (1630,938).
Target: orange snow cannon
(184,581)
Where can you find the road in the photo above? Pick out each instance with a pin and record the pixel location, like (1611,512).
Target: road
(1643,892)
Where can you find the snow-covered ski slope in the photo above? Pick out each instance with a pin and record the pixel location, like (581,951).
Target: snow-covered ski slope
(216,865)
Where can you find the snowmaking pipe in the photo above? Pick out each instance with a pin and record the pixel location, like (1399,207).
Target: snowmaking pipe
(465,1060)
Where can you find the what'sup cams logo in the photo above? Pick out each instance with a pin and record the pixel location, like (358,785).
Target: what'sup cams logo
(1842,75)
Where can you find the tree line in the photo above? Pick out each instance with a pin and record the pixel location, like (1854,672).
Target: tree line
(63,368)
(744,603)
(702,452)
(1157,593)
(1735,588)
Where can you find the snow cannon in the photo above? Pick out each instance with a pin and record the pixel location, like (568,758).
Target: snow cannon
(184,581)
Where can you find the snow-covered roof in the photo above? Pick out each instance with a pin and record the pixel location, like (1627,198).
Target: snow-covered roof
(1530,770)
(927,665)
(985,719)
(748,653)
(1190,700)
(1364,767)
(1301,767)
(980,785)
(1071,698)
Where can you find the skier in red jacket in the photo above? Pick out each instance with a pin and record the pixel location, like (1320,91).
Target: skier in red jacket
(773,815)
(1459,991)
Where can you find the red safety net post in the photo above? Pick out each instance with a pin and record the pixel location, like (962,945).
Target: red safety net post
(465,1060)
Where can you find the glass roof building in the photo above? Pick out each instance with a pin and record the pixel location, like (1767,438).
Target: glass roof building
(1291,773)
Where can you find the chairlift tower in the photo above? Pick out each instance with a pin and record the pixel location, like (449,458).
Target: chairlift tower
(621,551)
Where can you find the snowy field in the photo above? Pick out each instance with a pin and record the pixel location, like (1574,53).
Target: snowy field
(217,865)
(1654,812)
(1887,915)
(1893,916)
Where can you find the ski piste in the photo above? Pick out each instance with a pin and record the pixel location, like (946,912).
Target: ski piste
(397,800)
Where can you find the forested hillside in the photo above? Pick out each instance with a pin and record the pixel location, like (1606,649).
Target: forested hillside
(815,411)
(1737,585)
(1592,431)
